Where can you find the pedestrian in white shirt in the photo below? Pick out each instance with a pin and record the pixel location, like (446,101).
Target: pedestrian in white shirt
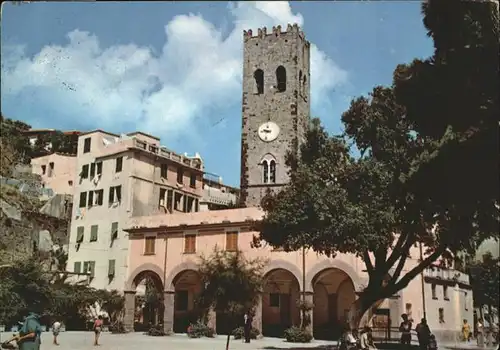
(56,327)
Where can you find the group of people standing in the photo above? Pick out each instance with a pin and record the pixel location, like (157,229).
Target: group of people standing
(30,334)
(426,340)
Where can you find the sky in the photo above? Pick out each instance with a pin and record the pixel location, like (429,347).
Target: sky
(174,69)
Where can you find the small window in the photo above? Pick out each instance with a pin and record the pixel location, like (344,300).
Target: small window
(445,293)
(161,199)
(196,205)
(70,183)
(86,266)
(119,164)
(83,199)
(190,244)
(92,170)
(433,290)
(99,168)
(44,169)
(170,199)
(281,78)
(265,173)
(177,201)
(93,233)
(272,172)
(192,181)
(77,267)
(164,171)
(91,198)
(115,194)
(441,315)
(149,247)
(274,300)
(80,230)
(111,268)
(84,174)
(86,145)
(181,300)
(258,75)
(114,231)
(99,197)
(232,241)
(92,269)
(190,203)
(180,175)
(466,301)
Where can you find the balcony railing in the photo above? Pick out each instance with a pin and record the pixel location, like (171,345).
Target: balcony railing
(446,274)
(165,153)
(216,196)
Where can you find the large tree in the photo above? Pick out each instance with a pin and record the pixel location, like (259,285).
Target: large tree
(231,285)
(377,206)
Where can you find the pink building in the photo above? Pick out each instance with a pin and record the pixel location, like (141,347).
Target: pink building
(167,248)
(57,171)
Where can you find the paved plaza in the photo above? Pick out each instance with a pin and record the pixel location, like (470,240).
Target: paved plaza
(134,341)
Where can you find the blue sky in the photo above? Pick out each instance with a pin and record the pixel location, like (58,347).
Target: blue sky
(173,69)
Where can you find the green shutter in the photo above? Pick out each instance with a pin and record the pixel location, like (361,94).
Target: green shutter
(93,233)
(114,230)
(92,268)
(77,267)
(111,268)
(79,234)
(85,267)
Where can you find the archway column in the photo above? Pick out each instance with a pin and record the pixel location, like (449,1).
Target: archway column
(309,299)
(257,318)
(128,318)
(168,311)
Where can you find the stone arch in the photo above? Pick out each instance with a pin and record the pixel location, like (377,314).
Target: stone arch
(140,272)
(281,79)
(268,163)
(279,264)
(333,264)
(176,271)
(258,75)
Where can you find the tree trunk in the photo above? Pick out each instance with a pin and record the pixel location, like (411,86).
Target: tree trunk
(358,310)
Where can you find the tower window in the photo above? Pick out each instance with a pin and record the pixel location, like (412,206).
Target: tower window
(259,81)
(265,174)
(281,78)
(272,172)
(300,81)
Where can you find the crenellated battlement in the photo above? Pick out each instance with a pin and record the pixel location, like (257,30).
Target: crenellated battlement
(276,31)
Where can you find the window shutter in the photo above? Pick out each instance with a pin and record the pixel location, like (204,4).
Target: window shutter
(93,233)
(114,230)
(111,268)
(111,195)
(79,234)
(92,268)
(77,267)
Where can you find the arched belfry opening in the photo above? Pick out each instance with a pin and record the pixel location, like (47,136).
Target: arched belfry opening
(281,78)
(258,76)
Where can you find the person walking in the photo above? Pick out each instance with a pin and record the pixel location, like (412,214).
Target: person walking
(423,334)
(29,337)
(405,329)
(247,326)
(97,330)
(466,331)
(56,327)
(480,333)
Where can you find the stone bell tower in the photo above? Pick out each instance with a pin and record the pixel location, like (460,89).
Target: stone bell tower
(275,107)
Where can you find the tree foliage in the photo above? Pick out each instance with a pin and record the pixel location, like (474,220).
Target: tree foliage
(379,205)
(485,281)
(230,284)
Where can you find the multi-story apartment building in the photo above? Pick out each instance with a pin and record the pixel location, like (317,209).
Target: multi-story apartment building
(57,171)
(119,177)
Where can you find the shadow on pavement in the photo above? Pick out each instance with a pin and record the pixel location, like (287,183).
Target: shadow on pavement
(380,346)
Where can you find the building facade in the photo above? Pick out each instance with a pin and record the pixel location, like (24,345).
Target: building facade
(217,195)
(168,250)
(119,177)
(57,171)
(275,105)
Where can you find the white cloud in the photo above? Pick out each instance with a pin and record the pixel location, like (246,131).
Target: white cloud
(196,70)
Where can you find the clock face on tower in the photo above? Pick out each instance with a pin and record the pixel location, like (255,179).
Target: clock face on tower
(268,131)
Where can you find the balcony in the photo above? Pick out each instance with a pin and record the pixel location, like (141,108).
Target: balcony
(215,196)
(446,275)
(165,153)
